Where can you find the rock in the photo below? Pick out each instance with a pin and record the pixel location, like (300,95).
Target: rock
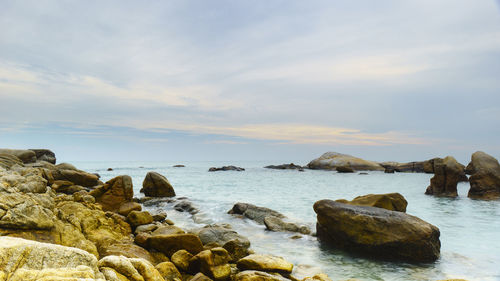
(377,232)
(136,218)
(146,270)
(127,249)
(277,224)
(156,185)
(9,160)
(121,265)
(485,176)
(389,170)
(236,244)
(141,239)
(344,169)
(252,275)
(29,260)
(66,187)
(254,212)
(181,259)
(214,263)
(410,167)
(128,207)
(114,193)
(168,271)
(109,169)
(265,263)
(75,176)
(363,174)
(45,155)
(186,206)
(320,277)
(447,174)
(290,166)
(389,201)
(200,277)
(160,216)
(226,168)
(169,244)
(66,166)
(27,156)
(332,160)
(179,166)
(167,230)
(26,211)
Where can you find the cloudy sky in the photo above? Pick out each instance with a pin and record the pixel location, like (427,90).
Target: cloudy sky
(250,80)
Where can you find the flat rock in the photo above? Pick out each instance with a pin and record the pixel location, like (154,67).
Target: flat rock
(376,232)
(388,201)
(290,166)
(265,263)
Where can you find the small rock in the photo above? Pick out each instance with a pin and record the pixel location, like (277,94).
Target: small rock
(179,166)
(265,263)
(160,217)
(128,207)
(181,259)
(136,218)
(226,168)
(168,271)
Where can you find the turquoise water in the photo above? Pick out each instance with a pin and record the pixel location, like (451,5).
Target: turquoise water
(470,229)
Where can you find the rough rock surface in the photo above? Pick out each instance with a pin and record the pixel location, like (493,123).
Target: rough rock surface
(214,263)
(344,169)
(389,201)
(226,168)
(485,176)
(447,174)
(45,155)
(236,244)
(9,160)
(278,224)
(114,193)
(30,260)
(377,232)
(253,212)
(332,160)
(181,259)
(168,271)
(27,156)
(169,244)
(253,275)
(265,263)
(157,185)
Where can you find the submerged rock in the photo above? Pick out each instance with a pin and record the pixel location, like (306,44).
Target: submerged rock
(389,201)
(226,168)
(253,212)
(376,232)
(447,174)
(332,160)
(157,185)
(485,176)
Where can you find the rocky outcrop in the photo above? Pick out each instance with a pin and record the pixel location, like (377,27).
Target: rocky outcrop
(27,260)
(156,185)
(226,168)
(45,155)
(290,166)
(409,167)
(75,176)
(27,156)
(114,193)
(223,236)
(485,176)
(447,173)
(265,263)
(389,201)
(376,232)
(332,160)
(9,160)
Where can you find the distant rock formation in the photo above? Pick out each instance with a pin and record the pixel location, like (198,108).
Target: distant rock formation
(332,160)
(226,168)
(290,166)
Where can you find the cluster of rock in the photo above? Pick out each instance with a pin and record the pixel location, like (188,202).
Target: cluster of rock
(290,166)
(61,223)
(273,220)
(226,168)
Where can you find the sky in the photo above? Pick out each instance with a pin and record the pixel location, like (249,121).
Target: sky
(250,80)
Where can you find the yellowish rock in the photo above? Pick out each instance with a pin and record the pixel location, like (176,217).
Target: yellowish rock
(265,263)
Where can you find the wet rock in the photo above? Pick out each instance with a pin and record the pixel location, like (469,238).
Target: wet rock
(200,277)
(136,218)
(156,185)
(332,160)
(128,207)
(127,249)
(388,201)
(114,193)
(290,166)
(169,244)
(344,169)
(186,206)
(167,230)
(277,224)
(253,212)
(252,275)
(226,168)
(265,263)
(447,174)
(236,244)
(45,155)
(168,271)
(376,232)
(214,263)
(160,216)
(485,176)
(181,259)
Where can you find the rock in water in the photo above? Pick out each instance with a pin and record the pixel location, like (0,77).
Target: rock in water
(236,244)
(253,212)
(332,160)
(389,201)
(290,166)
(344,169)
(485,176)
(447,174)
(376,232)
(156,185)
(114,193)
(226,168)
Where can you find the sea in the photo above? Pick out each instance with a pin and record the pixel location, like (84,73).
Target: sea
(470,229)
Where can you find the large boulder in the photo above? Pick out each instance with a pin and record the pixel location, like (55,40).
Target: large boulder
(76,176)
(447,174)
(114,193)
(332,160)
(26,211)
(29,260)
(376,232)
(45,155)
(27,156)
(389,201)
(156,185)
(214,263)
(236,244)
(169,244)
(265,263)
(485,176)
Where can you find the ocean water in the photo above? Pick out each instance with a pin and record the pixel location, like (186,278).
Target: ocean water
(470,229)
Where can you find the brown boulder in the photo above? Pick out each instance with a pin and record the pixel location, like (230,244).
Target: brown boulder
(214,263)
(181,259)
(485,176)
(389,201)
(253,275)
(27,156)
(114,193)
(265,263)
(136,218)
(169,244)
(376,232)
(344,169)
(128,207)
(168,271)
(156,185)
(447,174)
